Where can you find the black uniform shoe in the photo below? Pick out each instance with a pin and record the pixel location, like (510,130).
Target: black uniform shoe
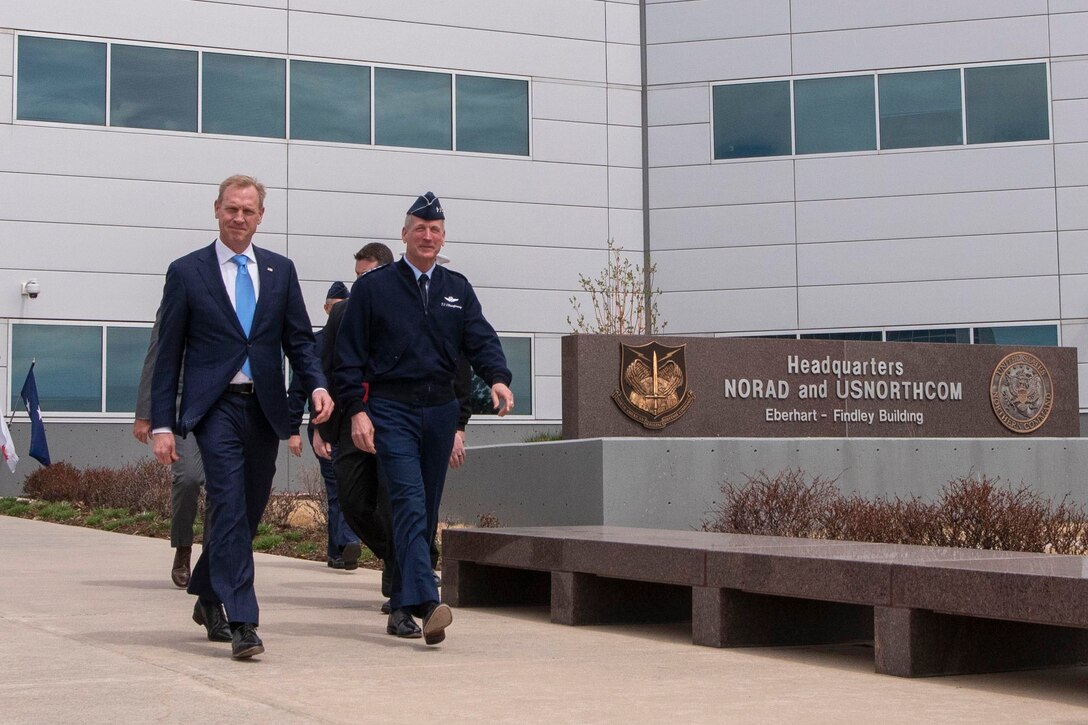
(401,624)
(245,642)
(214,619)
(387,606)
(350,556)
(436,617)
(336,563)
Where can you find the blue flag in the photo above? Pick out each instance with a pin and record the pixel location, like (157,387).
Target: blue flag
(39,448)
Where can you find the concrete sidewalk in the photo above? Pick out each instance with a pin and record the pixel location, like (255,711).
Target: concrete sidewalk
(92,631)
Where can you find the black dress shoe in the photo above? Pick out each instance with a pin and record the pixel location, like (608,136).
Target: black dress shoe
(436,617)
(336,563)
(401,624)
(386,607)
(214,619)
(350,556)
(245,642)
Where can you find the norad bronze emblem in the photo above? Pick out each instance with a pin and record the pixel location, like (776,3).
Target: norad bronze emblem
(1021,392)
(653,384)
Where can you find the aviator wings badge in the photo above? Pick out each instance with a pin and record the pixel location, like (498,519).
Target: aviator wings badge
(653,384)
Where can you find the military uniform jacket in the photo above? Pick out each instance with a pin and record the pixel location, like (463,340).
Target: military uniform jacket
(387,338)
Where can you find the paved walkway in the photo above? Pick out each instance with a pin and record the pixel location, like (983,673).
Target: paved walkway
(92,631)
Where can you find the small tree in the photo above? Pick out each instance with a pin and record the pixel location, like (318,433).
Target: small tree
(622,297)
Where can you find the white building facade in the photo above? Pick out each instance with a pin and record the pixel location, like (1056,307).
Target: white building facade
(877,169)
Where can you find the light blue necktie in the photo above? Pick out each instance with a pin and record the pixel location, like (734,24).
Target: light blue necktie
(245,301)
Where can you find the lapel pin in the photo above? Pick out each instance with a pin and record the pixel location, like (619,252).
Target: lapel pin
(268,268)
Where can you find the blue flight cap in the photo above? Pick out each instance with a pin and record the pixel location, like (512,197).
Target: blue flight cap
(338,291)
(427,207)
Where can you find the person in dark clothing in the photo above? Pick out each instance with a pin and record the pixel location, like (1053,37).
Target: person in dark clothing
(342,548)
(404,329)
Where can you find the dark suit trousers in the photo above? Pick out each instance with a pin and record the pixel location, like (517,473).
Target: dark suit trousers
(413,444)
(239,449)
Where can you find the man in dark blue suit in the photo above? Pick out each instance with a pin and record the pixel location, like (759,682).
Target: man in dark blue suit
(228,310)
(405,327)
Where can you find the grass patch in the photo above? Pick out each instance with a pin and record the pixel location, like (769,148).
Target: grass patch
(264,542)
(58,511)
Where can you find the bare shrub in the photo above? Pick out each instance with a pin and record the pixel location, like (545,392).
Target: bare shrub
(980,513)
(787,504)
(58,482)
(313,485)
(488,520)
(140,486)
(971,512)
(282,505)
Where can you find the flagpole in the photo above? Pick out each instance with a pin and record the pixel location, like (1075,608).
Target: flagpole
(11,418)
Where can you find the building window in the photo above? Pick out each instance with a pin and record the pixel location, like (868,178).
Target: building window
(413,108)
(1022,335)
(835,114)
(330,102)
(244,95)
(1006,103)
(153,88)
(920,109)
(752,119)
(126,348)
(872,335)
(68,368)
(62,80)
(519,358)
(960,335)
(492,115)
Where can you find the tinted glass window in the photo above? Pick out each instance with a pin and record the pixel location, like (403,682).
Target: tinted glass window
(519,358)
(126,348)
(153,88)
(834,114)
(492,115)
(330,102)
(69,366)
(62,80)
(1006,103)
(413,108)
(244,95)
(962,335)
(920,109)
(859,335)
(752,119)
(1024,335)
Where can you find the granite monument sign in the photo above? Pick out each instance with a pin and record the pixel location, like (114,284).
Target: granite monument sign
(771,388)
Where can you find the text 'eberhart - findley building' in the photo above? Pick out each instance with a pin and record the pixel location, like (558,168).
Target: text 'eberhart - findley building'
(873,169)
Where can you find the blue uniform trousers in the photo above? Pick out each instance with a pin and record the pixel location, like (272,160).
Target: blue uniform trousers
(339,533)
(413,444)
(239,450)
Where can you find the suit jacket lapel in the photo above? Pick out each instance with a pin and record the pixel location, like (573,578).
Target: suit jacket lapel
(213,280)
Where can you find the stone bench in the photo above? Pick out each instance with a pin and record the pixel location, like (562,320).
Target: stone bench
(927,610)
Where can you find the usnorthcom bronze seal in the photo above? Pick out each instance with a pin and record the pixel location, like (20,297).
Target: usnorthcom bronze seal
(1021,392)
(653,384)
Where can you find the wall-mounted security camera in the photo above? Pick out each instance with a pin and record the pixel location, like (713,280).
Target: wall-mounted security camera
(32,289)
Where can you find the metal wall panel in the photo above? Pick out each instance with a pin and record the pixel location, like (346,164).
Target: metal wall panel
(929,304)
